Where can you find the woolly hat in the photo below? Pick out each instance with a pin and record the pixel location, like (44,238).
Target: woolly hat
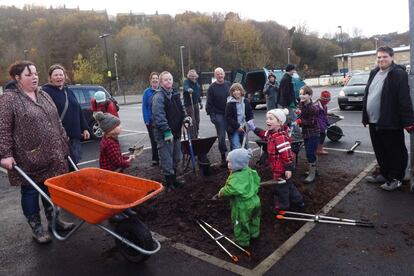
(290,67)
(325,96)
(106,121)
(271,75)
(100,96)
(279,113)
(239,159)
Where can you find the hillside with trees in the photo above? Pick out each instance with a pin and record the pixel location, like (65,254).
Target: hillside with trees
(145,43)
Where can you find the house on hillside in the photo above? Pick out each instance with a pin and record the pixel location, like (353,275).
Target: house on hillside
(366,60)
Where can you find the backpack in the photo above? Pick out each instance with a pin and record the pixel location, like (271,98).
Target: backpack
(111,100)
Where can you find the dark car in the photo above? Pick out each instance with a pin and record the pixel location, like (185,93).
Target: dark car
(352,94)
(84,93)
(254,81)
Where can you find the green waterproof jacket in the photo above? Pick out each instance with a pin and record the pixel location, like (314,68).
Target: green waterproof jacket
(241,185)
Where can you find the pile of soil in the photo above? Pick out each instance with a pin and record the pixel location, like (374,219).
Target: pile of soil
(173,214)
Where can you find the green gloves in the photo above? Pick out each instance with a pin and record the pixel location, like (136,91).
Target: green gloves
(168,137)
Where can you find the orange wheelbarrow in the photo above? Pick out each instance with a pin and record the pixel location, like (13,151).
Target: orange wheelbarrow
(94,195)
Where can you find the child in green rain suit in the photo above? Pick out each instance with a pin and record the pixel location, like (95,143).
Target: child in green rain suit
(242,187)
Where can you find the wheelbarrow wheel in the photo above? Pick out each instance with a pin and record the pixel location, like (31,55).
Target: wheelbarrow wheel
(136,232)
(334,133)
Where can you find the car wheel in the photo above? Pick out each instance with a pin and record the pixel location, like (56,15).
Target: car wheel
(96,130)
(253,105)
(342,107)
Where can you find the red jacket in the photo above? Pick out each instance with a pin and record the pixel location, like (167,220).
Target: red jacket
(110,156)
(281,157)
(106,107)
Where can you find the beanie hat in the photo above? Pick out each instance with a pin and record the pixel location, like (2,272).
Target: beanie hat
(325,96)
(100,96)
(239,159)
(106,121)
(290,67)
(279,113)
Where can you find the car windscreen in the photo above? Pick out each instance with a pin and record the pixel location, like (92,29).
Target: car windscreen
(358,80)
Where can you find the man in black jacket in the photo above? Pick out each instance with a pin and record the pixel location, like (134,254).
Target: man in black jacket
(387,109)
(217,95)
(286,97)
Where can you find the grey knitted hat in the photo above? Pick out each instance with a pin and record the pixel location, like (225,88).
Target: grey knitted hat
(239,159)
(106,121)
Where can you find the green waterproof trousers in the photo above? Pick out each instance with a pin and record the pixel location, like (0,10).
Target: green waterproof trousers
(245,215)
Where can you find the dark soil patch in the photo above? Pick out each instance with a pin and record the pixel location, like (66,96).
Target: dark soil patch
(173,214)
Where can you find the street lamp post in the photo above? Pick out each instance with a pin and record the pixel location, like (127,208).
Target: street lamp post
(109,74)
(342,51)
(288,49)
(376,42)
(116,75)
(25,51)
(182,62)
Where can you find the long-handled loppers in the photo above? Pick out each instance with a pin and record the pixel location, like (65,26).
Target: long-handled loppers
(204,224)
(321,218)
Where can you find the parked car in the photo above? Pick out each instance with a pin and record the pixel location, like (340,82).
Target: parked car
(352,94)
(84,93)
(254,81)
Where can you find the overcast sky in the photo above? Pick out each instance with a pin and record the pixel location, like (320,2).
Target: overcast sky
(321,16)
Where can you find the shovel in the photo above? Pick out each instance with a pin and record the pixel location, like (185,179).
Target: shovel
(352,149)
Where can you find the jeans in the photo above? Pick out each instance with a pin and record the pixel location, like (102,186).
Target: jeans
(153,143)
(75,150)
(311,144)
(220,124)
(236,140)
(30,199)
(170,155)
(196,119)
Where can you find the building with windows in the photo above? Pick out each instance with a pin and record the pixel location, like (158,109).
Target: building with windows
(366,60)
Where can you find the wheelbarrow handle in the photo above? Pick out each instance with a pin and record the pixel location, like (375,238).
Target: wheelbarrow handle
(28,179)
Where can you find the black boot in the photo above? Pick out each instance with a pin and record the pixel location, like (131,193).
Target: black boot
(223,160)
(177,182)
(169,183)
(60,224)
(39,234)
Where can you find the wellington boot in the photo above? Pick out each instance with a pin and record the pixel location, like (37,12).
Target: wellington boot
(320,150)
(38,233)
(223,163)
(169,183)
(178,182)
(60,224)
(312,173)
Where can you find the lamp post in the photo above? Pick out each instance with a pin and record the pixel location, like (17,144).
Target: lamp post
(342,50)
(182,62)
(288,49)
(376,42)
(109,74)
(116,75)
(25,51)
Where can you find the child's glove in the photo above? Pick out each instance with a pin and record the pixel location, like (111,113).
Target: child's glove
(298,122)
(168,137)
(190,90)
(188,121)
(251,124)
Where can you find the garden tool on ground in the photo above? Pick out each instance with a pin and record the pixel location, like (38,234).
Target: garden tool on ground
(204,224)
(320,218)
(352,149)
